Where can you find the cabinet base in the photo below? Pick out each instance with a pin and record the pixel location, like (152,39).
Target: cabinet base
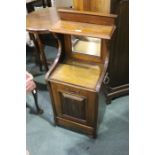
(76,127)
(113,92)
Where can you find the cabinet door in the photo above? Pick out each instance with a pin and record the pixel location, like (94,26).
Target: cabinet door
(75,104)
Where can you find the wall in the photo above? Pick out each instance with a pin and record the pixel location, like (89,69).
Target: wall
(63,3)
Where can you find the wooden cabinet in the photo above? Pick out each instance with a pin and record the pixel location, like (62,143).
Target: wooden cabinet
(116,82)
(92,5)
(117,77)
(75,107)
(75,79)
(75,95)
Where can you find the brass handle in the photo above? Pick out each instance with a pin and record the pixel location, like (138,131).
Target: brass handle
(106,79)
(73,91)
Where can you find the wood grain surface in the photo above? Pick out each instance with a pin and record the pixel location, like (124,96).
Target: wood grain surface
(85,75)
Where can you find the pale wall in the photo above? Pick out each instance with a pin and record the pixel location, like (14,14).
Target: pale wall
(63,3)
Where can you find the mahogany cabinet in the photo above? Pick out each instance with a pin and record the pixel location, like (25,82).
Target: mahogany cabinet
(116,82)
(92,5)
(75,79)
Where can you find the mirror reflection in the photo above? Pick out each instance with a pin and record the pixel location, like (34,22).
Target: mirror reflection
(86,45)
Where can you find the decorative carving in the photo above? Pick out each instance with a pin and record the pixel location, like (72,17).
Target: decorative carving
(73,105)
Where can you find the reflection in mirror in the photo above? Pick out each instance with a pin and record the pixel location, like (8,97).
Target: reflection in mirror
(86,45)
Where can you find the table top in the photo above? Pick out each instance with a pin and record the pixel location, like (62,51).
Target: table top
(42,19)
(48,19)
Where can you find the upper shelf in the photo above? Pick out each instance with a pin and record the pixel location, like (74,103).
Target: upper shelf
(83,29)
(73,22)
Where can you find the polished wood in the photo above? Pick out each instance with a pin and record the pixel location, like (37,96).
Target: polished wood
(35,21)
(117,81)
(45,20)
(89,102)
(75,79)
(81,4)
(75,126)
(86,29)
(41,20)
(42,53)
(48,20)
(36,38)
(93,5)
(87,16)
(77,74)
(73,106)
(100,6)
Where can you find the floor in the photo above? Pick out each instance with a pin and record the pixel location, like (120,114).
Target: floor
(44,138)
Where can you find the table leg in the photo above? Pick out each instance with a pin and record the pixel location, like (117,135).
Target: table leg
(38,54)
(42,53)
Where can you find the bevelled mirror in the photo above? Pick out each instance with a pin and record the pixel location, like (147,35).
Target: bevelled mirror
(86,45)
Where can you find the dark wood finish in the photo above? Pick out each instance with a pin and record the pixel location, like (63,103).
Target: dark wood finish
(59,58)
(35,95)
(117,79)
(74,106)
(31,87)
(37,3)
(44,37)
(37,50)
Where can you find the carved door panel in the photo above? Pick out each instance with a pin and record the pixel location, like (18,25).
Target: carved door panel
(74,104)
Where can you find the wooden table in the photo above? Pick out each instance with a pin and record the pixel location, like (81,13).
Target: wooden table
(39,22)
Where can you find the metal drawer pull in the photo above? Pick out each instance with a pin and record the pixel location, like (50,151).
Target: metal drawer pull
(73,91)
(106,79)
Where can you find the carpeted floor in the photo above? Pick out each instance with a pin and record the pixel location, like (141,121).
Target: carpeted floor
(43,138)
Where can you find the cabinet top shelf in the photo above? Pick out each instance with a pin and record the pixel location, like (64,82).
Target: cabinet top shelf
(83,29)
(71,22)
